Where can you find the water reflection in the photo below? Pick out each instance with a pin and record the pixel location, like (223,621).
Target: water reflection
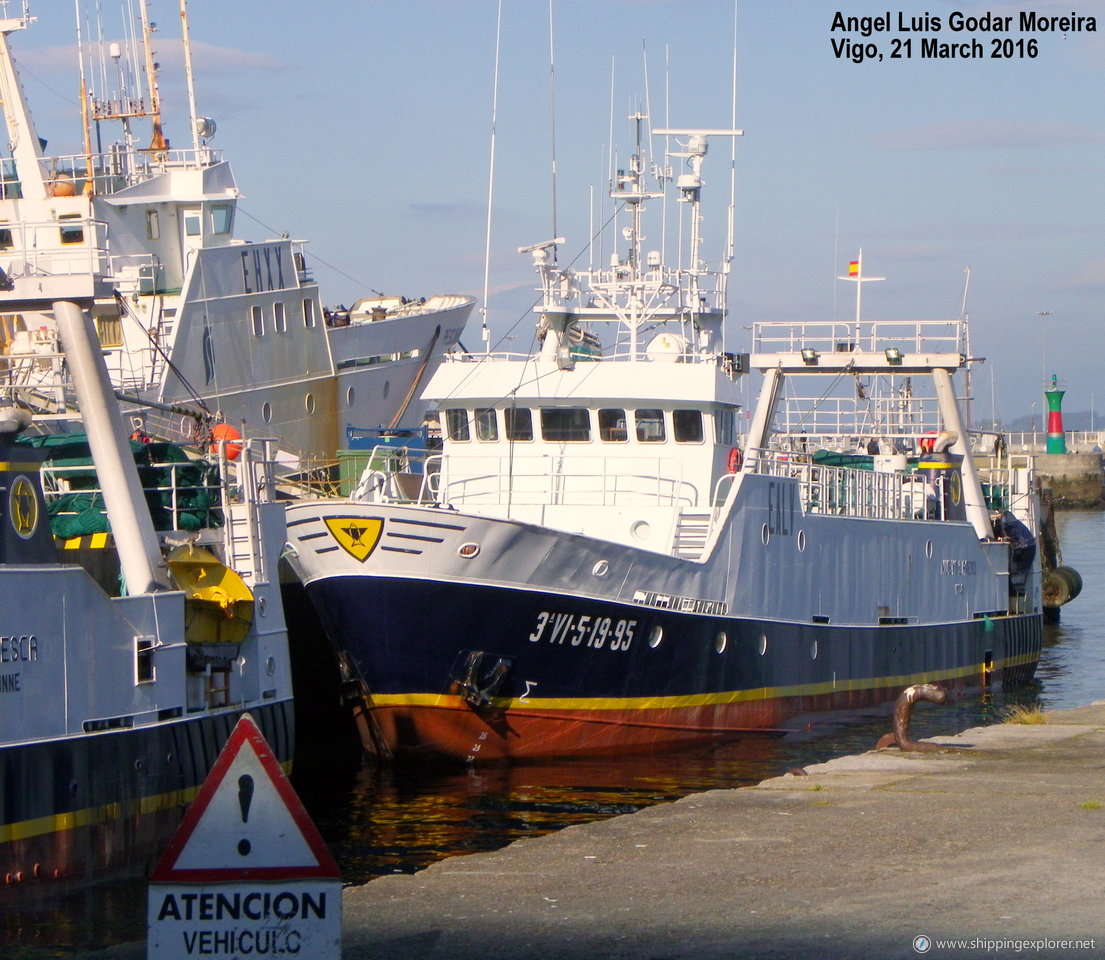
(382,821)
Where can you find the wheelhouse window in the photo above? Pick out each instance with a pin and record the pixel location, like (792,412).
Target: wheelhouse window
(222,217)
(612,426)
(279,318)
(192,225)
(650,426)
(519,423)
(258,316)
(456,424)
(725,426)
(153,226)
(565,424)
(687,426)
(308,313)
(71,233)
(487,427)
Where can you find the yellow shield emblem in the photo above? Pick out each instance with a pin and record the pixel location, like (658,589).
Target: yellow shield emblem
(357,536)
(23,507)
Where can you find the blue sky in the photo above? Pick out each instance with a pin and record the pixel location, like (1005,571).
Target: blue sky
(364,126)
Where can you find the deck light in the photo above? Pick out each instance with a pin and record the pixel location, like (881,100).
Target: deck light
(809,356)
(894,356)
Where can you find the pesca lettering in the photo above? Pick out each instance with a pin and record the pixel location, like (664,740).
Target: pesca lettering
(18,649)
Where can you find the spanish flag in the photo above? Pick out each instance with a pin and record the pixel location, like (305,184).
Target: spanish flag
(853,268)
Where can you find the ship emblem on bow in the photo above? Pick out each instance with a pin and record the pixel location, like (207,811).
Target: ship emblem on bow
(358,536)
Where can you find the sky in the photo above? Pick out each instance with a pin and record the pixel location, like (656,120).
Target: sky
(365,127)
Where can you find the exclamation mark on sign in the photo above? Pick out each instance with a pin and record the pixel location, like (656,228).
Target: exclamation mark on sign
(245,798)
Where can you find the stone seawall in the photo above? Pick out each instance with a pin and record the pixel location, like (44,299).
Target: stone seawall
(1075,479)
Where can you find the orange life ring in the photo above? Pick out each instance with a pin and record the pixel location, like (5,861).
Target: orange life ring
(927,443)
(736,459)
(226,434)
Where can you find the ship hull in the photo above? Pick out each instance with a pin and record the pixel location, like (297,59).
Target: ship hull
(477,672)
(107,803)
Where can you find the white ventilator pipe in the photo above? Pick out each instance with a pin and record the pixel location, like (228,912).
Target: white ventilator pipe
(135,539)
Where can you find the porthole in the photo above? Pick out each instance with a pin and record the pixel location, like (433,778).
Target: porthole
(270,666)
(813,650)
(765,534)
(721,641)
(309,403)
(655,636)
(468,550)
(261,606)
(350,397)
(641,530)
(763,644)
(928,549)
(801,540)
(600,569)
(387,388)
(266,412)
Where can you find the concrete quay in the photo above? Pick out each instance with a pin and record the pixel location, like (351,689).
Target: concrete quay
(993,846)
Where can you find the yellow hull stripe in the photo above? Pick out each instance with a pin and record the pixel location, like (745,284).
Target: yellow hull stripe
(13,466)
(105,813)
(699,699)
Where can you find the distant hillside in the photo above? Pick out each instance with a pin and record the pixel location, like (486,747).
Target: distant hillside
(1072,420)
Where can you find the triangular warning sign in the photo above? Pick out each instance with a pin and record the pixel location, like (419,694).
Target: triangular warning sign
(246,823)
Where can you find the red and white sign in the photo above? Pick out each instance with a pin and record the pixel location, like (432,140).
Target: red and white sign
(247,872)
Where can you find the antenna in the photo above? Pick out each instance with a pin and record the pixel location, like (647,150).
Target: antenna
(190,79)
(552,119)
(485,331)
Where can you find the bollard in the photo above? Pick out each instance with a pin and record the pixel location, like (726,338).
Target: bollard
(903,710)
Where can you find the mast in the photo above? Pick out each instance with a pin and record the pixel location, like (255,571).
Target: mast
(193,117)
(158,143)
(22,137)
(855,274)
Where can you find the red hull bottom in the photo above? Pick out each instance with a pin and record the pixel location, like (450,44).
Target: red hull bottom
(454,730)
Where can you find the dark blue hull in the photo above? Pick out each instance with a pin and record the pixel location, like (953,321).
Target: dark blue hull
(107,803)
(529,673)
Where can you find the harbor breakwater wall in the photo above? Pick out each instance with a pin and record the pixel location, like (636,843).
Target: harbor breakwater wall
(1074,479)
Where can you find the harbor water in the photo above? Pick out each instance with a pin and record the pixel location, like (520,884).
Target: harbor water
(383,821)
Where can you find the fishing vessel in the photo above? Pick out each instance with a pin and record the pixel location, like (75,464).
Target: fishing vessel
(197,327)
(114,702)
(609,555)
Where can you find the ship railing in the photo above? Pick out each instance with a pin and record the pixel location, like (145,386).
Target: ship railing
(547,480)
(190,496)
(908,336)
(32,369)
(105,173)
(553,480)
(251,469)
(850,492)
(841,423)
(57,248)
(183,495)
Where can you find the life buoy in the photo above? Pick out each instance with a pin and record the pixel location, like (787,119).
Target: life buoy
(736,458)
(926,443)
(225,433)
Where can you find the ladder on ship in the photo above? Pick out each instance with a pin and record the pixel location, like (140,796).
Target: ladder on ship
(691,533)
